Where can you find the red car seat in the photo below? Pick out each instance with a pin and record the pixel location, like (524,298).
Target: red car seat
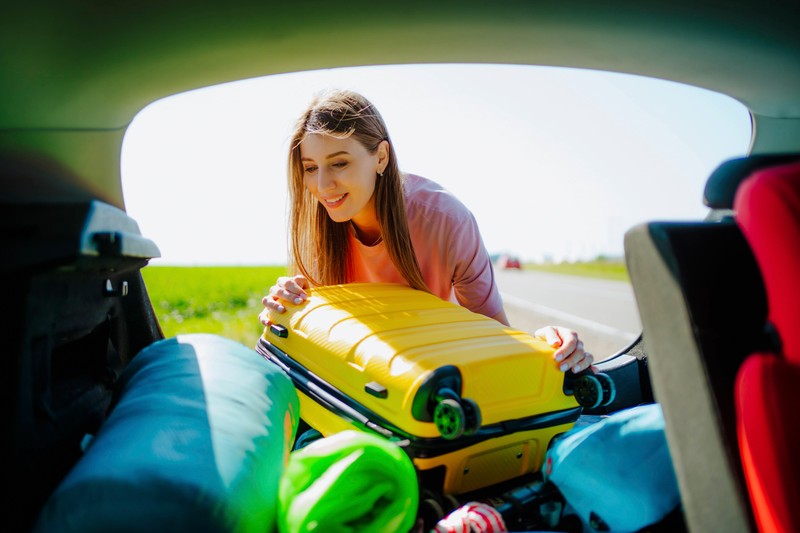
(767,209)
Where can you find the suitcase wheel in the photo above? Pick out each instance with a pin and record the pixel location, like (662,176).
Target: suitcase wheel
(472,414)
(455,416)
(449,415)
(588,391)
(609,389)
(431,511)
(449,418)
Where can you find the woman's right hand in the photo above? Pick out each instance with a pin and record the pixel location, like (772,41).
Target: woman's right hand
(286,289)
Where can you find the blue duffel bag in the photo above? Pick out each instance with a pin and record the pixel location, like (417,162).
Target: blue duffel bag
(616,474)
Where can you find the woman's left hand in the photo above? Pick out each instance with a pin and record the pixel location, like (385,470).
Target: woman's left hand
(569,354)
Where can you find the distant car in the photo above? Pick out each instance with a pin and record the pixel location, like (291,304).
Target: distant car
(509,262)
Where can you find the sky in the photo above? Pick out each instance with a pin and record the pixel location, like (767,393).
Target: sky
(556,164)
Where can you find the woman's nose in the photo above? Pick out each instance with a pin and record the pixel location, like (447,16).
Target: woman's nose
(325,180)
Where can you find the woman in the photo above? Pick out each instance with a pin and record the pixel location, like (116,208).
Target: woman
(354,217)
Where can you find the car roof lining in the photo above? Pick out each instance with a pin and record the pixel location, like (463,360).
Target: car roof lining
(107,63)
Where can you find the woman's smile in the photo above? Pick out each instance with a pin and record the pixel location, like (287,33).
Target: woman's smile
(335,201)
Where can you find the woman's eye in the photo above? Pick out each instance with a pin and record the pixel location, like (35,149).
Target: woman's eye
(339,164)
(308,170)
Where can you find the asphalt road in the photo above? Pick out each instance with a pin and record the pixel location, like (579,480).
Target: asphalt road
(603,312)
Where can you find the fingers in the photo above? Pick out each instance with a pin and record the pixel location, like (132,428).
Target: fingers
(570,353)
(286,289)
(271,303)
(578,361)
(294,288)
(550,335)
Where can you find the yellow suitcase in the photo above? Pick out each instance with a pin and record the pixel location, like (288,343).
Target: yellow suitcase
(473,402)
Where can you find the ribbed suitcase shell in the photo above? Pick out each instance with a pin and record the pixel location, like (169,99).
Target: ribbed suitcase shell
(361,355)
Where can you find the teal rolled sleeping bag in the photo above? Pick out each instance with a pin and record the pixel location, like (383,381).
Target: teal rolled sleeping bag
(196,441)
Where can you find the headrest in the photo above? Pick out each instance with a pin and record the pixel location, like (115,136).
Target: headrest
(722,184)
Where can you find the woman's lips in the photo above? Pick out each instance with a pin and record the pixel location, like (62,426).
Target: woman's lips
(335,201)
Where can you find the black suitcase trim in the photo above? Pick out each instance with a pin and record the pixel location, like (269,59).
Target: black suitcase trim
(333,399)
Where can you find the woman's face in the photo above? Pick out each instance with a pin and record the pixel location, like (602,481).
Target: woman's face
(341,174)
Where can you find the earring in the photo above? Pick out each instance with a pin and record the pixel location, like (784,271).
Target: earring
(380,173)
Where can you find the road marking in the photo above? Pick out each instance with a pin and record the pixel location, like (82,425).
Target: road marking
(561,315)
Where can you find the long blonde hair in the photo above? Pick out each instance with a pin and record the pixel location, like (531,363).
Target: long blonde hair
(318,246)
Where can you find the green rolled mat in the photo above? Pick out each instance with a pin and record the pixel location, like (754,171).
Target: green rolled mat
(349,482)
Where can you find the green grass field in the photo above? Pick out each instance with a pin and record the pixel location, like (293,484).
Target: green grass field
(600,268)
(227,300)
(222,300)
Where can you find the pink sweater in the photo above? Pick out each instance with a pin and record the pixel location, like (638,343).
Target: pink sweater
(449,248)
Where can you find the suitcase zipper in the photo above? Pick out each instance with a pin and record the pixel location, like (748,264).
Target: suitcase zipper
(423,447)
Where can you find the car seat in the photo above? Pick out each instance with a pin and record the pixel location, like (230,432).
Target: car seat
(703,308)
(722,184)
(768,211)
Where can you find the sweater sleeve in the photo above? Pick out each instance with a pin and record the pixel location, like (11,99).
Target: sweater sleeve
(474,283)
(449,247)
